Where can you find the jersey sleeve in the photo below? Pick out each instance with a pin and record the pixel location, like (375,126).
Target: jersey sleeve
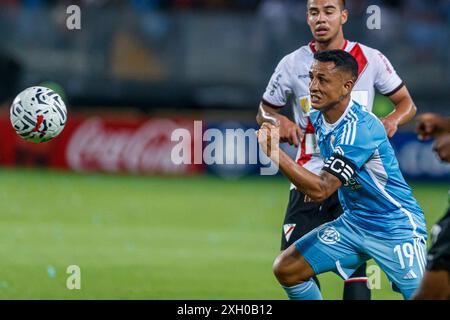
(353,147)
(279,87)
(387,81)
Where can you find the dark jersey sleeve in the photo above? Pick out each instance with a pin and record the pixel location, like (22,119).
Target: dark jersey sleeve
(439,254)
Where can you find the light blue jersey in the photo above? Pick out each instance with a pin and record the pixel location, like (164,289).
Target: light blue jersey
(381,218)
(374,194)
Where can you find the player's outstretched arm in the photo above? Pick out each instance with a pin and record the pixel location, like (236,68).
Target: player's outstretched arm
(289,131)
(317,188)
(404,111)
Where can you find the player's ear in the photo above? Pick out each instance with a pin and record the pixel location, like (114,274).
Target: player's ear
(348,87)
(344,16)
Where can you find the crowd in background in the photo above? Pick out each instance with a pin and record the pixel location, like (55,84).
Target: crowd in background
(177,41)
(426,9)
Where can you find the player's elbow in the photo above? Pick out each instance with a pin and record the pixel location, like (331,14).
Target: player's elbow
(413,109)
(260,114)
(259,120)
(317,195)
(322,193)
(313,194)
(319,198)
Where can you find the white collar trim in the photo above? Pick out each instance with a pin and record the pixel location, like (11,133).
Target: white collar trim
(334,125)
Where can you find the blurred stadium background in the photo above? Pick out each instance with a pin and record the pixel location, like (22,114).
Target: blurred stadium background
(105,195)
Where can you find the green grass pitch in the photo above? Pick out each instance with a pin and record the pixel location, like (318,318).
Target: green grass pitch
(151,238)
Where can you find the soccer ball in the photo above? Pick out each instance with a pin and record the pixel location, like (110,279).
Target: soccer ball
(38,114)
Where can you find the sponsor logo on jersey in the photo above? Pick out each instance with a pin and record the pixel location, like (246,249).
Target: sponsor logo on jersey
(338,150)
(288,229)
(328,235)
(353,184)
(275,84)
(305,104)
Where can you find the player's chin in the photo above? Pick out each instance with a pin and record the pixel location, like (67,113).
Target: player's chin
(322,38)
(317,103)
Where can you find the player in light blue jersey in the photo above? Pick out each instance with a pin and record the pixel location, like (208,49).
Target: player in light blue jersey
(375,195)
(381,218)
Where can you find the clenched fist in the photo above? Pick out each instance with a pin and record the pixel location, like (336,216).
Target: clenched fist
(269,139)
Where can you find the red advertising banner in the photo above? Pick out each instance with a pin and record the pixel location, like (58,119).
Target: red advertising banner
(107,144)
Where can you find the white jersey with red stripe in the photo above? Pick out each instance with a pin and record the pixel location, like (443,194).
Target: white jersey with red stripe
(291,77)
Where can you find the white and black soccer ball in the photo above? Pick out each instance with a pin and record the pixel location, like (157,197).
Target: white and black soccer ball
(38,114)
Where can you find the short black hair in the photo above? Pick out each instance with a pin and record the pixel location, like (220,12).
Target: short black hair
(342,60)
(342,2)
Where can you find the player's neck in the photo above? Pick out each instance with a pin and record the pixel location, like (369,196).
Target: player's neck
(334,44)
(334,113)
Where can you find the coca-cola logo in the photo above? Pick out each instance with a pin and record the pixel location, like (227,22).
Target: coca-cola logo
(95,145)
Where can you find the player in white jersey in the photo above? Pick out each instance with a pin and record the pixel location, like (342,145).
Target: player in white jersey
(291,78)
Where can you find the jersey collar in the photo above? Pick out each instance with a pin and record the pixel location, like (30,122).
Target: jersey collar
(313,47)
(331,126)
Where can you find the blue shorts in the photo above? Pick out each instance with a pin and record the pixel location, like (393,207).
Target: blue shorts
(342,247)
